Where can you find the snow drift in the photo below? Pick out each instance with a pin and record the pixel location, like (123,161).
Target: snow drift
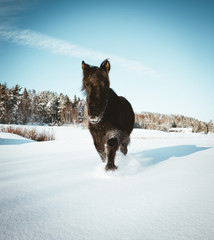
(59,190)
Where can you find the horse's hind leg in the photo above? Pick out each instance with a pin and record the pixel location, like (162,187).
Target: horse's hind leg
(124,144)
(111,148)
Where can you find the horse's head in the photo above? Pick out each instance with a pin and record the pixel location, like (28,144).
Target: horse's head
(96,84)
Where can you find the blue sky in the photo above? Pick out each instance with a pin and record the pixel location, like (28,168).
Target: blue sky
(161,52)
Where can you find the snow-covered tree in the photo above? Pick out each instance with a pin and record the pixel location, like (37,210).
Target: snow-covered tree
(3,101)
(51,108)
(33,98)
(24,107)
(41,107)
(12,105)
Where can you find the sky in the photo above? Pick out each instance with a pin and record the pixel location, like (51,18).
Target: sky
(161,52)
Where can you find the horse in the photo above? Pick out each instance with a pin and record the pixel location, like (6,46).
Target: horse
(111,117)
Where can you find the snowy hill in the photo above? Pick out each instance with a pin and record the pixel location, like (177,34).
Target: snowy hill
(59,190)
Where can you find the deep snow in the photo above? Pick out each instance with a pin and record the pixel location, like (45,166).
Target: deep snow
(163,189)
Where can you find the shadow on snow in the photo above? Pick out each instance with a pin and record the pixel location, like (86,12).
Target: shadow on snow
(137,162)
(8,141)
(154,156)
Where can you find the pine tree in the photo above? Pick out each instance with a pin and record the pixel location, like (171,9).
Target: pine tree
(75,99)
(68,110)
(61,109)
(33,98)
(25,107)
(12,105)
(51,108)
(41,108)
(3,101)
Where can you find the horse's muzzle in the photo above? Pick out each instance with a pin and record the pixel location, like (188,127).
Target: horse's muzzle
(95,120)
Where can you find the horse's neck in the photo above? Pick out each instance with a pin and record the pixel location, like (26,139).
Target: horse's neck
(113,96)
(113,104)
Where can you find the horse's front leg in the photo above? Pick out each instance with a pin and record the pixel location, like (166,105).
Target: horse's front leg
(100,149)
(111,148)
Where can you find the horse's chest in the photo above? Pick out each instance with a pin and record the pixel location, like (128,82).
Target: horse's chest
(98,130)
(101,133)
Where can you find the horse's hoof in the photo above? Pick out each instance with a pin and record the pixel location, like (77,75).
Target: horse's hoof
(110,167)
(123,150)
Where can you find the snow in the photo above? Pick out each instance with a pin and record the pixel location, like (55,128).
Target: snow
(183,130)
(163,189)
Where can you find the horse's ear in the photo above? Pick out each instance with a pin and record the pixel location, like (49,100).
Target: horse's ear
(85,67)
(86,71)
(105,65)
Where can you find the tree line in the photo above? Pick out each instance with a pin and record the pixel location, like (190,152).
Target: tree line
(19,106)
(163,122)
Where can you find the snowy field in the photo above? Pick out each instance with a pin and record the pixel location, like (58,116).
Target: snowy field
(163,189)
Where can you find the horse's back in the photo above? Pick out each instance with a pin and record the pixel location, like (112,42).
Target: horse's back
(119,113)
(126,115)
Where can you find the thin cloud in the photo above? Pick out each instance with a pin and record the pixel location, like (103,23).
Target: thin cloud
(11,9)
(57,46)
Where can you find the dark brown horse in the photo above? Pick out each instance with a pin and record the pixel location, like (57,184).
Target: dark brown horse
(111,118)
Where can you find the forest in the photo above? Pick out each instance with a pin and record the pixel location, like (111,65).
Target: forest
(19,106)
(22,106)
(163,122)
